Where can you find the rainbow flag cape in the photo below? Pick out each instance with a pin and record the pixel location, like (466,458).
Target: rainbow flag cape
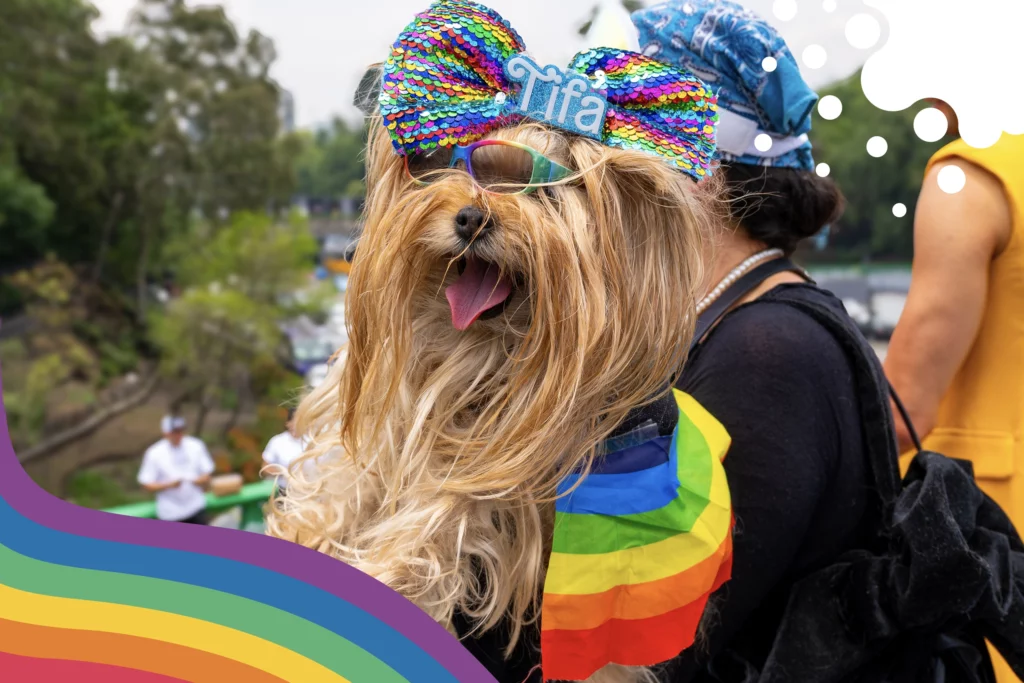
(639,546)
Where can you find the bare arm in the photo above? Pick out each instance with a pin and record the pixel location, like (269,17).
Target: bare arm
(956,236)
(157,488)
(207,465)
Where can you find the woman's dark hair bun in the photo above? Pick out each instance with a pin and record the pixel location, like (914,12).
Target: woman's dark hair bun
(780,206)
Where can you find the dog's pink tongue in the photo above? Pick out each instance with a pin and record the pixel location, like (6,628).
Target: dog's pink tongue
(479,288)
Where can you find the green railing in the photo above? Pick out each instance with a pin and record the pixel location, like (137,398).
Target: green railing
(251,499)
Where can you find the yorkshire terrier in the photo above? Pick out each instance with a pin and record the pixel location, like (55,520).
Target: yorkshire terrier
(507,310)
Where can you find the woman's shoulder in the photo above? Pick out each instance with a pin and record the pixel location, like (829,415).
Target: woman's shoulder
(773,334)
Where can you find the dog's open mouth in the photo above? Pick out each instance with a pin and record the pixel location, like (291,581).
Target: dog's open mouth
(479,291)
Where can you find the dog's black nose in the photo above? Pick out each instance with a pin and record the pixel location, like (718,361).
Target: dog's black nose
(471,222)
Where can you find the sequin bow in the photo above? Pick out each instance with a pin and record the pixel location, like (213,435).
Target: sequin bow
(445,84)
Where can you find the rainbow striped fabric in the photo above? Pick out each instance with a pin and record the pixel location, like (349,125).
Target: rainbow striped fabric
(639,546)
(89,596)
(444,85)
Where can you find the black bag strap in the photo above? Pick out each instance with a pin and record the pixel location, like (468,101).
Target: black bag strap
(905,416)
(873,393)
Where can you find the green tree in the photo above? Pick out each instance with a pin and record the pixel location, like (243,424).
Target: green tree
(213,109)
(107,147)
(330,164)
(56,120)
(25,212)
(221,337)
(871,185)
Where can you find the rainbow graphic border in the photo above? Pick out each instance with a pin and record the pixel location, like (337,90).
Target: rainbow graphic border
(89,595)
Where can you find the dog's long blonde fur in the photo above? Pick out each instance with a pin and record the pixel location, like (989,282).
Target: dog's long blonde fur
(439,451)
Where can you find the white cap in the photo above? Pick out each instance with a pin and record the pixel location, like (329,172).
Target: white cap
(169,423)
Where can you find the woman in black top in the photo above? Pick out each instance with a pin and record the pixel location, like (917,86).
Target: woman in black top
(784,390)
(778,381)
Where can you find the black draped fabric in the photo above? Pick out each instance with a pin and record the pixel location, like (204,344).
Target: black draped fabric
(936,569)
(946,571)
(787,393)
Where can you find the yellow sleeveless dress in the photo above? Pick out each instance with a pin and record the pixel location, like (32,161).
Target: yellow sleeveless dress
(981,417)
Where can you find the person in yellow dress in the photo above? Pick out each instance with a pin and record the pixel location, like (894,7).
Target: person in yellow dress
(957,355)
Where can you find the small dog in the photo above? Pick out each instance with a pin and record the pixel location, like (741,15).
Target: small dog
(495,341)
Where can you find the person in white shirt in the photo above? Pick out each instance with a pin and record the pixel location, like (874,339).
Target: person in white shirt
(177,469)
(281,451)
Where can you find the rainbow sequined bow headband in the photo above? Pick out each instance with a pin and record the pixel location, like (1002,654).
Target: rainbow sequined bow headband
(458,72)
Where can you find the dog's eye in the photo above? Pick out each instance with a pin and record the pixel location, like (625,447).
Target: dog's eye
(423,164)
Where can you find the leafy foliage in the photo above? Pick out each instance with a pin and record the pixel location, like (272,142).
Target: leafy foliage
(94,489)
(78,340)
(221,337)
(146,169)
(872,186)
(330,163)
(110,146)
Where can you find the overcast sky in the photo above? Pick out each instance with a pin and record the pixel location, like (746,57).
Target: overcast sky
(324,46)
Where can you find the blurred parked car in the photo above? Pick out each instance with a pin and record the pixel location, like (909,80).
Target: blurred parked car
(334,255)
(853,291)
(311,351)
(886,309)
(860,313)
(317,374)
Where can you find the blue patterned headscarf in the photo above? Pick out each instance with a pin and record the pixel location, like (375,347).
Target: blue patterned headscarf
(724,44)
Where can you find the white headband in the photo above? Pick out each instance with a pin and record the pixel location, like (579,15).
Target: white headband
(736,134)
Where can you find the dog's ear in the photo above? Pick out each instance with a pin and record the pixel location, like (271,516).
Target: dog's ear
(369,90)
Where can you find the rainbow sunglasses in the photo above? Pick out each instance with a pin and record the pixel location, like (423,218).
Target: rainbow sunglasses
(496,166)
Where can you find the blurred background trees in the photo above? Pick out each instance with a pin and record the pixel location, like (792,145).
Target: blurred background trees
(221,338)
(111,148)
(872,186)
(146,190)
(330,161)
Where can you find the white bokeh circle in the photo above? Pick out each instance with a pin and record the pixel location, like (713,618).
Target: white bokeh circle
(863,31)
(899,210)
(930,124)
(814,56)
(784,10)
(829,6)
(952,179)
(769,64)
(830,107)
(763,142)
(922,57)
(823,169)
(877,146)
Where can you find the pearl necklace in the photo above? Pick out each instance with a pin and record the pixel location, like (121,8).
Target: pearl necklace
(735,274)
